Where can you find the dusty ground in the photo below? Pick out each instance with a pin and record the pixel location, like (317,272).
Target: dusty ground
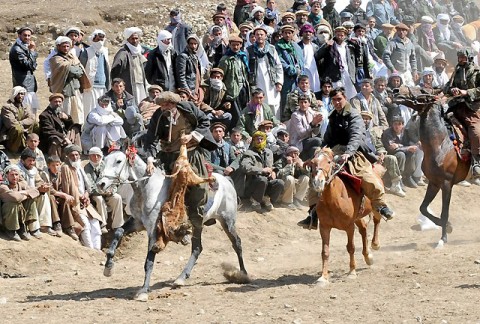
(54,280)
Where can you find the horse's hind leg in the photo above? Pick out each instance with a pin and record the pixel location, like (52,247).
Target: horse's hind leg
(128,227)
(142,294)
(446,196)
(196,250)
(362,228)
(231,232)
(351,251)
(325,234)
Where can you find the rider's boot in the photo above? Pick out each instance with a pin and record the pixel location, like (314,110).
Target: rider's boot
(386,212)
(311,222)
(475,165)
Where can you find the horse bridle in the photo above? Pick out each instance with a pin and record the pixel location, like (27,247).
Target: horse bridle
(117,179)
(330,175)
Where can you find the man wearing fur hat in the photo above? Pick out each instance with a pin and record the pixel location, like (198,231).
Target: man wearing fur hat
(23,60)
(69,78)
(161,62)
(128,64)
(95,60)
(16,121)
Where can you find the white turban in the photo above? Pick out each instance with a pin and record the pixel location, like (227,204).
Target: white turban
(443,17)
(63,39)
(15,91)
(95,150)
(12,167)
(73,29)
(130,31)
(428,71)
(257,9)
(427,20)
(97,32)
(163,35)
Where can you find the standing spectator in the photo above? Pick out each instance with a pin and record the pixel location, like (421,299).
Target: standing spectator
(234,65)
(105,203)
(57,129)
(266,71)
(95,60)
(316,16)
(383,12)
(18,204)
(128,64)
(23,60)
(381,41)
(359,15)
(291,57)
(188,70)
(215,45)
(161,61)
(303,89)
(76,35)
(330,14)
(69,78)
(447,42)
(179,30)
(399,56)
(17,121)
(310,50)
(372,31)
(261,176)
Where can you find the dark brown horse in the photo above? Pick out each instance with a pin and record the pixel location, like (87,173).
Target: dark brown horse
(340,206)
(441,164)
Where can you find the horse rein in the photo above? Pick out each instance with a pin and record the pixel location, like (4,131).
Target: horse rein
(330,175)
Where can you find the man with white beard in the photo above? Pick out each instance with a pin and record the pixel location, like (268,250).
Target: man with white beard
(95,61)
(160,62)
(128,64)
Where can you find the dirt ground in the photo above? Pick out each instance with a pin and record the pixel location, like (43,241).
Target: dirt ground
(55,280)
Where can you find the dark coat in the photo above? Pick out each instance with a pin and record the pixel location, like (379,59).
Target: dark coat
(180,40)
(359,15)
(52,128)
(328,66)
(23,63)
(186,68)
(159,127)
(156,68)
(347,128)
(122,67)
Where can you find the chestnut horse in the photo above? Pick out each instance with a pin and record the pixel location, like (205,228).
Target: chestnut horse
(441,164)
(340,206)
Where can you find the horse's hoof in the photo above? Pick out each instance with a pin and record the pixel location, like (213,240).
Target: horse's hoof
(179,282)
(449,228)
(352,275)
(369,259)
(107,272)
(322,282)
(440,245)
(375,246)
(143,297)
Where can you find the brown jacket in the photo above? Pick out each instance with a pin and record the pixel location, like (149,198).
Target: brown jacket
(13,116)
(13,195)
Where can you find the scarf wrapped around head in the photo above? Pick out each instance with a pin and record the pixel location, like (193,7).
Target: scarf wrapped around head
(428,32)
(259,146)
(15,91)
(240,55)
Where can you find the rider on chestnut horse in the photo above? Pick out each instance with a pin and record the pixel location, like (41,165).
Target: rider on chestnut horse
(464,85)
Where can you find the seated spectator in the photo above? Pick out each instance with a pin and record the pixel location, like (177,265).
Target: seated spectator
(123,103)
(374,142)
(426,82)
(57,129)
(395,81)
(103,126)
(18,204)
(105,203)
(34,180)
(4,162)
(295,176)
(215,98)
(148,106)
(255,112)
(304,127)
(281,144)
(380,92)
(409,155)
(440,77)
(266,126)
(303,89)
(78,216)
(366,101)
(16,121)
(236,141)
(32,143)
(222,159)
(261,185)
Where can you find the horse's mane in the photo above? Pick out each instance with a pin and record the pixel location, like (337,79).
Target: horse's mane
(325,150)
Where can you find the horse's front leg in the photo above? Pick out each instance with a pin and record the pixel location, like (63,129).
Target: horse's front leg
(325,234)
(376,227)
(362,228)
(351,251)
(142,294)
(446,226)
(127,228)
(196,250)
(432,191)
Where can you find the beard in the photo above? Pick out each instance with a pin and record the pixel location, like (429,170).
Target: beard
(75,164)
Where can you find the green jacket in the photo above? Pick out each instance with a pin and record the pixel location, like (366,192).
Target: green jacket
(247,120)
(235,75)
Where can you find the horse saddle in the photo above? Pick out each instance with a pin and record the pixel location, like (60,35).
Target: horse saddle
(354,181)
(459,137)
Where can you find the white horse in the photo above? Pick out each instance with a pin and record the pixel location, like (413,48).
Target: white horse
(150,192)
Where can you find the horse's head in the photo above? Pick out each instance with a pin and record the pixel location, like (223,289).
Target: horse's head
(415,98)
(321,166)
(115,171)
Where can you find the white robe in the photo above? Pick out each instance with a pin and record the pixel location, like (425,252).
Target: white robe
(311,67)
